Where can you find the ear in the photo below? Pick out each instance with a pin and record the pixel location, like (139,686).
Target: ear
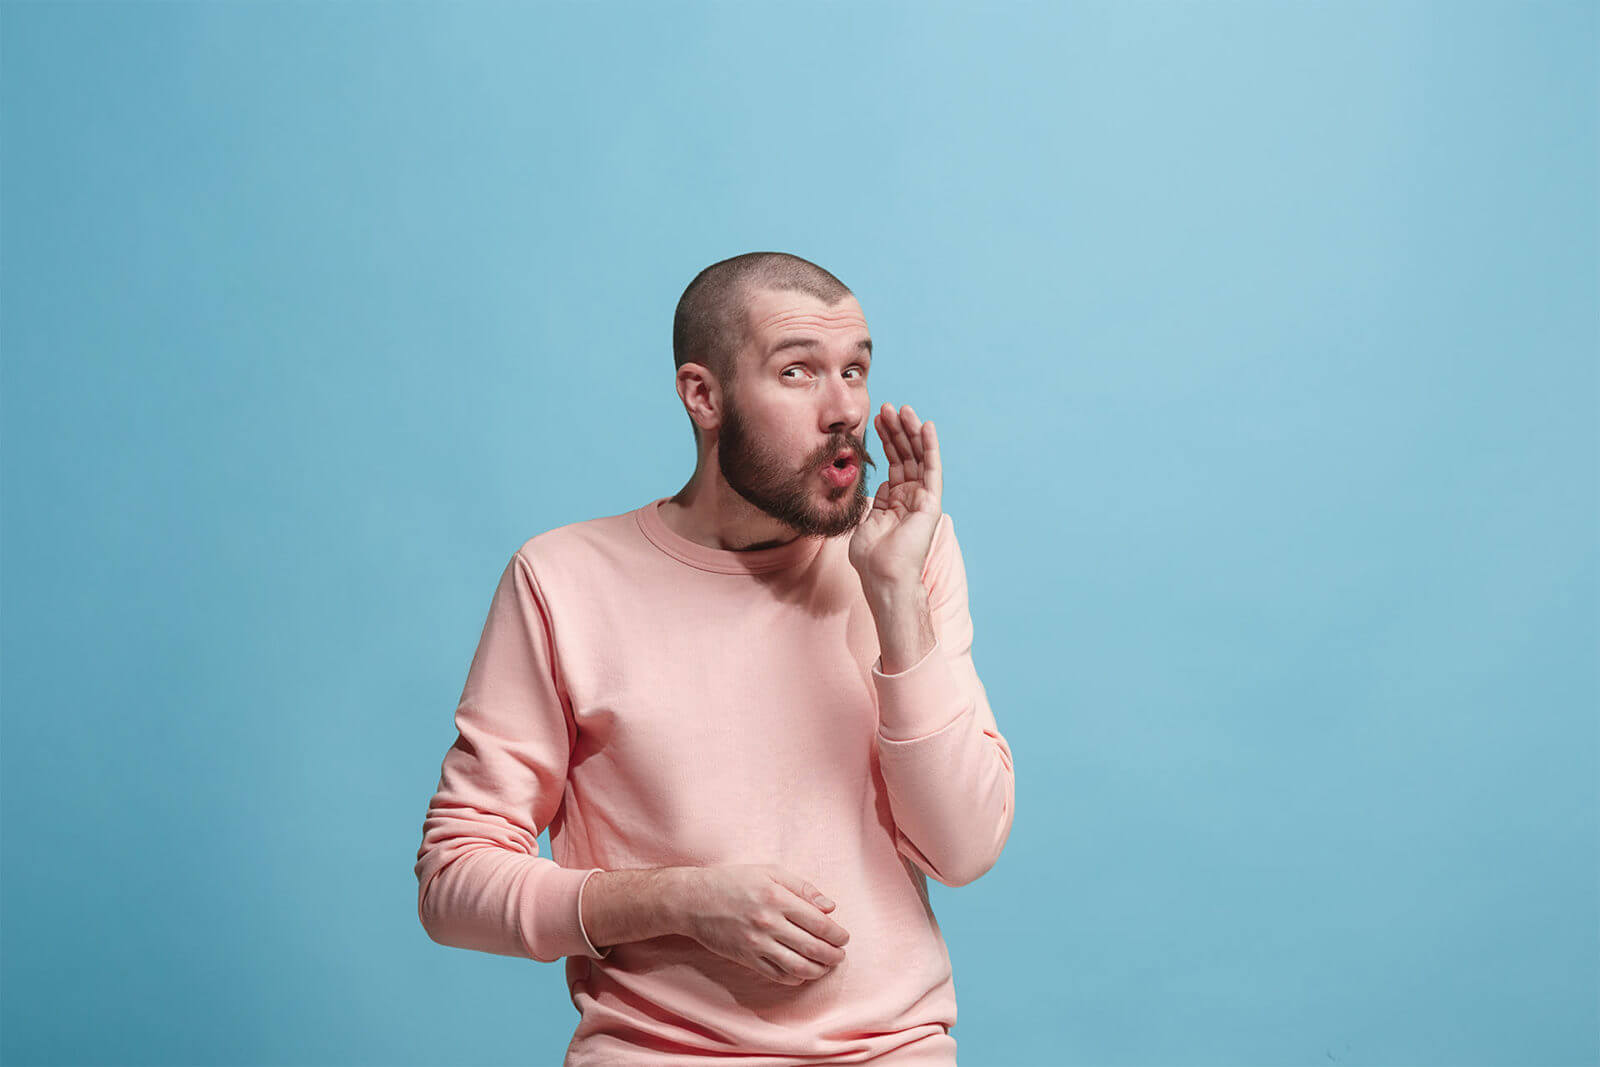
(701,395)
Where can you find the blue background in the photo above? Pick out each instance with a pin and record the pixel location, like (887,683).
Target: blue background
(1262,343)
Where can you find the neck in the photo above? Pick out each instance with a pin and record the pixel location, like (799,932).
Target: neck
(707,511)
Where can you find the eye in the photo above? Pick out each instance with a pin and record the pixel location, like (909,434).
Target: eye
(861,372)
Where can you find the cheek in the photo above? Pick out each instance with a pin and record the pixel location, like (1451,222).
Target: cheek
(778,419)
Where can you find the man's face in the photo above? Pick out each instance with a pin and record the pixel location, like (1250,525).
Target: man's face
(801,401)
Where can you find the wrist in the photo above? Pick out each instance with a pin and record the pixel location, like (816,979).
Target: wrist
(884,593)
(678,895)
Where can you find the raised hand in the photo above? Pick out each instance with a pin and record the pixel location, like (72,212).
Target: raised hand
(890,544)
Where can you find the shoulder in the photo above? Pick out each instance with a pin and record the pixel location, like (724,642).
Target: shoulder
(587,548)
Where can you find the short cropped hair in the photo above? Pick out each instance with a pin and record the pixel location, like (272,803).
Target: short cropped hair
(712,325)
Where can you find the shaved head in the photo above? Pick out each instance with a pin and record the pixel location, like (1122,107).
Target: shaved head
(712,325)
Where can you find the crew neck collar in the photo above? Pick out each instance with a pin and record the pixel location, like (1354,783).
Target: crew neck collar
(722,560)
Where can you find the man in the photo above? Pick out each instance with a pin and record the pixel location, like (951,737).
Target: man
(748,714)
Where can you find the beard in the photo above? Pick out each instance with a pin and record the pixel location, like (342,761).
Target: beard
(804,500)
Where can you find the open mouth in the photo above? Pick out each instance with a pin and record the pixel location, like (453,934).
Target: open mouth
(842,471)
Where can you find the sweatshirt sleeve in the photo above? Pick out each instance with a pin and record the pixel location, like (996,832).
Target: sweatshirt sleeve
(949,777)
(481,883)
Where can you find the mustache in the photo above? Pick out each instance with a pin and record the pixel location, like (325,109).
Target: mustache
(860,454)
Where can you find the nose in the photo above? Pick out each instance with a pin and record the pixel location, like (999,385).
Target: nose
(844,407)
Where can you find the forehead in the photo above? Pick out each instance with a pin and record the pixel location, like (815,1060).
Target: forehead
(772,311)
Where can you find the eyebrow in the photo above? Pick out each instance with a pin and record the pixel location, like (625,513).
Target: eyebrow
(811,342)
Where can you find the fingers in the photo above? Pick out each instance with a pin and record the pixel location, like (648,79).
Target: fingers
(912,447)
(820,951)
(776,971)
(880,498)
(916,436)
(810,919)
(913,424)
(796,885)
(809,944)
(892,430)
(793,968)
(932,471)
(803,956)
(897,469)
(820,926)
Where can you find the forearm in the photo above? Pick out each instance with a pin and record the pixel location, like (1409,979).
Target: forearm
(946,767)
(634,905)
(904,622)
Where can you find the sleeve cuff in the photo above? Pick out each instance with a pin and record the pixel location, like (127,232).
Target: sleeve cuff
(550,916)
(918,701)
(590,950)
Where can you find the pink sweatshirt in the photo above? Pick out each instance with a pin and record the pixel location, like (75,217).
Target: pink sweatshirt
(659,703)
